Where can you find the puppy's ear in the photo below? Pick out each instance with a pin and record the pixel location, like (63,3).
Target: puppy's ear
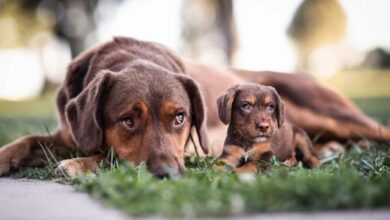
(279,106)
(197,109)
(225,104)
(83,114)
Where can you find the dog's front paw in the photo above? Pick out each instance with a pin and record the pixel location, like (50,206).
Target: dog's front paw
(10,158)
(77,166)
(69,168)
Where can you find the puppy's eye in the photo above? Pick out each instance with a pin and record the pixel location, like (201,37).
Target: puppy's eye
(179,119)
(128,122)
(245,106)
(270,107)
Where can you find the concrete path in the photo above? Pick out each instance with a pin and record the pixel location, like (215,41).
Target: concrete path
(41,200)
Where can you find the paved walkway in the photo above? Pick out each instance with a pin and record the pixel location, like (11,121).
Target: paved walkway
(41,200)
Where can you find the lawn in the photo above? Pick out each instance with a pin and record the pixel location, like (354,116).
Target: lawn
(358,180)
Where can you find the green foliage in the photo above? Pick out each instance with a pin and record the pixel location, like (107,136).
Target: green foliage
(41,173)
(317,22)
(357,180)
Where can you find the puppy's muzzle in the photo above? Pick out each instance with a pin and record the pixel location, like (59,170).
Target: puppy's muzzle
(262,126)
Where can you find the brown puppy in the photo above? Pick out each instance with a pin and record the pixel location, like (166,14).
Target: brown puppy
(326,115)
(128,95)
(257,130)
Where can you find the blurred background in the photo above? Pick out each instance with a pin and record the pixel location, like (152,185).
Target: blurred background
(343,43)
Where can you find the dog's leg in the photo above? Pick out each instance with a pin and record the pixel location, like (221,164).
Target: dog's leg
(305,149)
(330,149)
(31,151)
(76,166)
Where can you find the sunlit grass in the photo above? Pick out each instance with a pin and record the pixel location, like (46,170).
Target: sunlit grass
(358,180)
(361,83)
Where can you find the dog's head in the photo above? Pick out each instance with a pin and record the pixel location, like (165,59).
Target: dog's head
(252,111)
(144,112)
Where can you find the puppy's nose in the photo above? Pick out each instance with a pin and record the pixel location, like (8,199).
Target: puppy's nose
(262,126)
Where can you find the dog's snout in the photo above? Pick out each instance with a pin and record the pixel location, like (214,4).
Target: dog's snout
(162,166)
(262,126)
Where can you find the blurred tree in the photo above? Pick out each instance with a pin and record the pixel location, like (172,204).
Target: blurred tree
(71,20)
(18,23)
(74,21)
(377,58)
(316,23)
(208,30)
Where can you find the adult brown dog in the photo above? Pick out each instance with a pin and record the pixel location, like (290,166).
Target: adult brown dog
(137,98)
(128,95)
(257,130)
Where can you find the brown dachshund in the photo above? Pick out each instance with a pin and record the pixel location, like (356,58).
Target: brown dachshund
(257,130)
(142,100)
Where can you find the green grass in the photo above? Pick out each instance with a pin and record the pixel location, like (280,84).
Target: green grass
(361,83)
(358,180)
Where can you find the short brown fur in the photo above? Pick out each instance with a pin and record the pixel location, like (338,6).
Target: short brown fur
(104,74)
(257,130)
(128,95)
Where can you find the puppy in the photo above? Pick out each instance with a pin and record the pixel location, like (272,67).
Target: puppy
(257,130)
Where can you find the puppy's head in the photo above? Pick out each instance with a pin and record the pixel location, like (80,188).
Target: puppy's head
(144,112)
(252,111)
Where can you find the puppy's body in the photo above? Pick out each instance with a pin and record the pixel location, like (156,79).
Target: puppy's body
(257,129)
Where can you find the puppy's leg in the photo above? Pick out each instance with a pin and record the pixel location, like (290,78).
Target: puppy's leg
(292,161)
(76,166)
(250,167)
(231,155)
(259,161)
(305,149)
(31,151)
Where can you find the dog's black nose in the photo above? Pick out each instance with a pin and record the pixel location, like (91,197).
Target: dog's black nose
(262,126)
(165,172)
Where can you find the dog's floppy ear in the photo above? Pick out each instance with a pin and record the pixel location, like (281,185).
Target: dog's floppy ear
(225,104)
(279,106)
(197,109)
(83,114)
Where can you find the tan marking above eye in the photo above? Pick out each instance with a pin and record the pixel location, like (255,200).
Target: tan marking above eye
(135,108)
(251,100)
(170,109)
(268,100)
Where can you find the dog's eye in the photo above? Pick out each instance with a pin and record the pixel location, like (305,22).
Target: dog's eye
(245,106)
(270,107)
(179,119)
(128,122)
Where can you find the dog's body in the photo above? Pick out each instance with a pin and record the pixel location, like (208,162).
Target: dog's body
(257,130)
(128,95)
(139,98)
